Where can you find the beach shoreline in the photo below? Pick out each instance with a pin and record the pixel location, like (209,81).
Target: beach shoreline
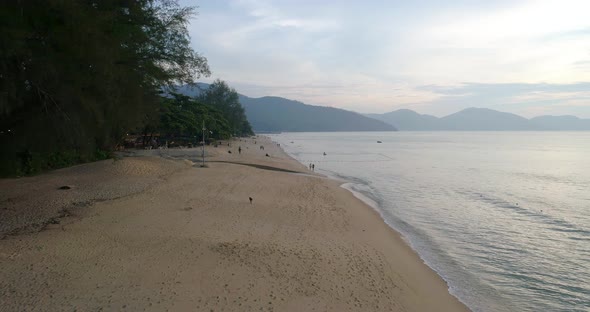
(348,184)
(190,240)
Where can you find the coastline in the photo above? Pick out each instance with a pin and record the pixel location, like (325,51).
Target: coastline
(191,240)
(348,184)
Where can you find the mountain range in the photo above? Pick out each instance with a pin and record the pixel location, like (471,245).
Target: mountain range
(277,114)
(273,114)
(480,119)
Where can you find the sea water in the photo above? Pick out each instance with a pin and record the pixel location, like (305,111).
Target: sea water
(502,217)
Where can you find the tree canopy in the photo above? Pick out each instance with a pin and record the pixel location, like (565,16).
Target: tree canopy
(76,75)
(182,116)
(220,96)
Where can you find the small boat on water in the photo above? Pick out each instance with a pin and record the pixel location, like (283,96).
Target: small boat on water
(379,142)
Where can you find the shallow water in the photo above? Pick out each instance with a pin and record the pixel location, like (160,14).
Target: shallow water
(503,217)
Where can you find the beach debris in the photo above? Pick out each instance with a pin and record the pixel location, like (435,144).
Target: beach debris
(379,142)
(65,187)
(229,152)
(325,154)
(267,155)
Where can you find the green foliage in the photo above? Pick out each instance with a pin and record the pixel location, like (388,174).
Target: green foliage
(181,116)
(220,96)
(77,75)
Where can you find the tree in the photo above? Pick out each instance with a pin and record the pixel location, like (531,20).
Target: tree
(181,116)
(226,99)
(76,75)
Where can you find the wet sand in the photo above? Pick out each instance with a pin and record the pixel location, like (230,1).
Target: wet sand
(156,233)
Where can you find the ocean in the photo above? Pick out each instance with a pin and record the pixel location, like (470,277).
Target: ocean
(502,217)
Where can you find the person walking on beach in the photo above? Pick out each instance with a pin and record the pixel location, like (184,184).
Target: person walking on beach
(239,149)
(250,200)
(309,166)
(312,167)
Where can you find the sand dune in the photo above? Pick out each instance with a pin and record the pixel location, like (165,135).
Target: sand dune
(160,234)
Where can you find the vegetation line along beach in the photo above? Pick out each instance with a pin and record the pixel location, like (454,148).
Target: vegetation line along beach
(80,79)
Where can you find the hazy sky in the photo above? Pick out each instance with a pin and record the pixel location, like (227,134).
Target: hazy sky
(437,57)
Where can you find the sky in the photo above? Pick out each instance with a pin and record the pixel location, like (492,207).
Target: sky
(435,57)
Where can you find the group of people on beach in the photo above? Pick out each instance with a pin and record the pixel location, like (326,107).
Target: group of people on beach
(312,167)
(240,148)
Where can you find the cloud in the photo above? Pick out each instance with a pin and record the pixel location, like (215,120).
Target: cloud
(376,56)
(504,89)
(582,64)
(522,98)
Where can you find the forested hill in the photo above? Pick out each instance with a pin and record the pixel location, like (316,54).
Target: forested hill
(274,114)
(277,114)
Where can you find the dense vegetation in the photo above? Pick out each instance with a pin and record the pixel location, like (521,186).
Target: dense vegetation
(220,96)
(182,116)
(77,76)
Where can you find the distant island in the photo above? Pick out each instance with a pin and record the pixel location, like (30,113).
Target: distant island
(480,119)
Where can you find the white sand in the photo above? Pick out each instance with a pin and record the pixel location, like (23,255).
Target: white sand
(157,234)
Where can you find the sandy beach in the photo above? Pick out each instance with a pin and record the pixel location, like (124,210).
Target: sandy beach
(155,232)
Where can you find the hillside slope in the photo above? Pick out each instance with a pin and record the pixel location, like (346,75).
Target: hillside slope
(277,114)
